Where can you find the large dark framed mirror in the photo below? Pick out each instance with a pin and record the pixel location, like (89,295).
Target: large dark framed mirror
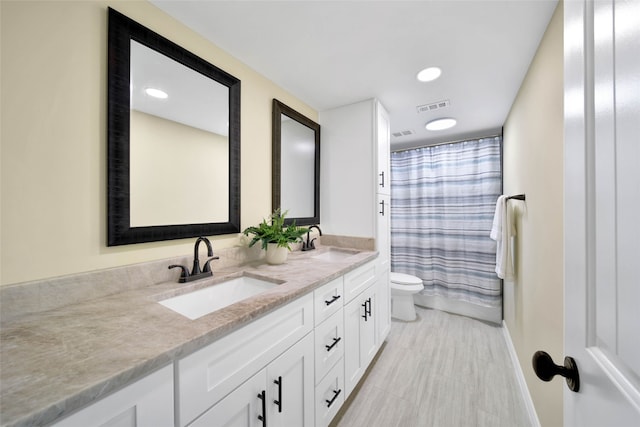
(173,140)
(295,165)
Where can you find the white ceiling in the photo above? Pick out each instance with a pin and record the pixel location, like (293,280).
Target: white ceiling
(332,53)
(193,99)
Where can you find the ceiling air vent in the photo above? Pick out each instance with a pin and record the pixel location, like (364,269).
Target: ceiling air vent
(433,106)
(402,133)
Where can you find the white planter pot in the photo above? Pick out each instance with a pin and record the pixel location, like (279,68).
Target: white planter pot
(275,254)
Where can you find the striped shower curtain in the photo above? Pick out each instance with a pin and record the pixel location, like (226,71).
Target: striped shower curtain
(442,204)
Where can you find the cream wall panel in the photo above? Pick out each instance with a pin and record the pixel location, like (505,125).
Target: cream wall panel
(169,158)
(533,164)
(54,86)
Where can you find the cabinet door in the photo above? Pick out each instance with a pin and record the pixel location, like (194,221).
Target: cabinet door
(368,337)
(352,366)
(383,231)
(209,374)
(383,307)
(329,344)
(145,403)
(360,337)
(291,385)
(382,144)
(330,395)
(328,299)
(241,408)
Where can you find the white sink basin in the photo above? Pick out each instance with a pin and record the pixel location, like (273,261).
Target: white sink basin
(334,255)
(207,300)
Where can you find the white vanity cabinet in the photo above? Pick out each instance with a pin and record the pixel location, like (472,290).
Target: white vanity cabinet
(355,187)
(294,366)
(383,319)
(354,167)
(280,395)
(360,337)
(329,329)
(360,312)
(205,377)
(147,402)
(329,351)
(327,299)
(330,395)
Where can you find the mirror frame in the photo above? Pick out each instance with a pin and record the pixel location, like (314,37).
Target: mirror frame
(119,231)
(276,136)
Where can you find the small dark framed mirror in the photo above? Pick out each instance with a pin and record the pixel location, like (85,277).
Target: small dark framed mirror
(295,165)
(173,140)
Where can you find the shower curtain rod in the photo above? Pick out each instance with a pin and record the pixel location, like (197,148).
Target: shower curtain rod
(444,143)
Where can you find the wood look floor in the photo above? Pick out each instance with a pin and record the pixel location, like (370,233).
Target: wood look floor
(441,370)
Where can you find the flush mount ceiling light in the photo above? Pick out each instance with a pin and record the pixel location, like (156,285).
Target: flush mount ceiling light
(156,93)
(441,124)
(429,74)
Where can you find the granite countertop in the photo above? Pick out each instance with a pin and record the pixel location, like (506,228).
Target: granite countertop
(55,362)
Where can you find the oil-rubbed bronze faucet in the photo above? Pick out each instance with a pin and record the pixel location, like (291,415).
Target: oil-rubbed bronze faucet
(309,245)
(196,272)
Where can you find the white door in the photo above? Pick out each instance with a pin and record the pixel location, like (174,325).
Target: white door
(383,136)
(353,369)
(290,380)
(602,210)
(383,240)
(368,337)
(241,408)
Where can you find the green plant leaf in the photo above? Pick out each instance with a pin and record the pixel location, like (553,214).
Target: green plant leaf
(274,231)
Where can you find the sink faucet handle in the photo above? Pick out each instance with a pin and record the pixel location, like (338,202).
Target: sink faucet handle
(185,271)
(207,267)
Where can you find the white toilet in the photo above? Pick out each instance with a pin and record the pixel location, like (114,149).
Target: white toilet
(403,287)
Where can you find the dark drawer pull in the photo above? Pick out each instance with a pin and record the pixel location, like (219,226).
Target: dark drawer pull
(279,401)
(263,417)
(333,399)
(332,300)
(366,312)
(335,341)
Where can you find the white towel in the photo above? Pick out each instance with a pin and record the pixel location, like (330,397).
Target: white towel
(501,232)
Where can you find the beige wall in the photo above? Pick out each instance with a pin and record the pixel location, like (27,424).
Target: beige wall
(169,157)
(533,164)
(54,85)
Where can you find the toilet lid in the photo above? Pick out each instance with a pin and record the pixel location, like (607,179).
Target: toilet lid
(405,279)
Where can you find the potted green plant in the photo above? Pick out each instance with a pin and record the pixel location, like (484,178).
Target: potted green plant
(276,238)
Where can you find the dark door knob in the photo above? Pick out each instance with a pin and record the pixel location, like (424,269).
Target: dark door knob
(545,369)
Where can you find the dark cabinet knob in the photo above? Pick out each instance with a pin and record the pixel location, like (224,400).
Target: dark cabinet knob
(545,369)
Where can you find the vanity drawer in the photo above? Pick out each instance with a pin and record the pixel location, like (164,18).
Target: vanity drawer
(358,280)
(328,299)
(330,395)
(329,344)
(212,372)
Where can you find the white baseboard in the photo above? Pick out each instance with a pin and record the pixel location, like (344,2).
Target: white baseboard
(531,410)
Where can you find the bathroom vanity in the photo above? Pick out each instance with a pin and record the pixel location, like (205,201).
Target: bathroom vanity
(289,355)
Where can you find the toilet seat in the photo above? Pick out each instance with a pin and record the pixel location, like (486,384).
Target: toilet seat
(405,282)
(404,279)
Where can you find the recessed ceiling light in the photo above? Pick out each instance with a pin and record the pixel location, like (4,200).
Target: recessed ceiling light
(156,93)
(429,74)
(441,124)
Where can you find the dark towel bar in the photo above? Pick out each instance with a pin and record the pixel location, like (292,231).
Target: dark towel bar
(517,197)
